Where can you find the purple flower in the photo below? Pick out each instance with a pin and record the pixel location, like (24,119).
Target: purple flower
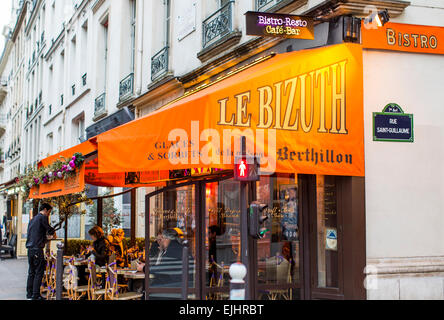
(72,164)
(73,158)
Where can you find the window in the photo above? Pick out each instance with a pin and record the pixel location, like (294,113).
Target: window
(278,252)
(78,134)
(327,232)
(49,144)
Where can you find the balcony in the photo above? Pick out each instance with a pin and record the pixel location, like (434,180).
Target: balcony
(218,24)
(159,64)
(99,106)
(126,87)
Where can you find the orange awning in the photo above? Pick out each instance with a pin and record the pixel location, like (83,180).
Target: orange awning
(300,112)
(310,100)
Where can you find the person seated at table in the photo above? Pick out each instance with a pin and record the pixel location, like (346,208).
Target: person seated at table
(166,267)
(100,247)
(154,248)
(116,245)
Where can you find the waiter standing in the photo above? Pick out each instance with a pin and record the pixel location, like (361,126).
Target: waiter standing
(39,233)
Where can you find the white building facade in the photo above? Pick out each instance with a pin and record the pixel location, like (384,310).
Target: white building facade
(69,67)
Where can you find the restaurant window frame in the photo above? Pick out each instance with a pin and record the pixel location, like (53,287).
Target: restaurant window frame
(317,292)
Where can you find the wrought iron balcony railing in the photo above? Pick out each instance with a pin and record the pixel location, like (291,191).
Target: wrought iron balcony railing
(218,24)
(159,64)
(126,87)
(99,105)
(264,5)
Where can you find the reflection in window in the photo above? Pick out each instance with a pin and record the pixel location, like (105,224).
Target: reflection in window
(278,251)
(26,217)
(223,233)
(327,232)
(173,222)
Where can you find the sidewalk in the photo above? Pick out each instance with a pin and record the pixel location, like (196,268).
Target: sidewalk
(13,275)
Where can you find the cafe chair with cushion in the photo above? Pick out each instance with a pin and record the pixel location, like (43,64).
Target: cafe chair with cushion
(112,288)
(46,276)
(279,272)
(50,278)
(75,292)
(217,280)
(95,291)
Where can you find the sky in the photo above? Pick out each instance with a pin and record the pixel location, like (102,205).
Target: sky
(5,16)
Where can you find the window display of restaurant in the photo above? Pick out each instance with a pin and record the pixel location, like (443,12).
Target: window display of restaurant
(304,255)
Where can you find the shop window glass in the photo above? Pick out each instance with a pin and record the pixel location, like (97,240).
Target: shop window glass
(278,251)
(26,217)
(73,223)
(222,234)
(327,232)
(172,222)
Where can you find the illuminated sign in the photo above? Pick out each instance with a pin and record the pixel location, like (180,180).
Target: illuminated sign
(404,37)
(279,25)
(246,168)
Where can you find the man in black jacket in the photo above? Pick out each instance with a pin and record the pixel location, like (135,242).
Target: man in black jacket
(39,232)
(166,266)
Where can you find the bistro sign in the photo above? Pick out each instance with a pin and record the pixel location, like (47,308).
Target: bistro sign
(279,25)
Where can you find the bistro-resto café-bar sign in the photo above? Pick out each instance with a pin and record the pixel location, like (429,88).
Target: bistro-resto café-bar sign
(279,25)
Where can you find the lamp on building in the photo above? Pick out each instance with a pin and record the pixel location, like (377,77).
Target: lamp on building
(381,18)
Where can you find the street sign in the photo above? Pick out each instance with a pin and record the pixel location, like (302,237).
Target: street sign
(392,124)
(279,25)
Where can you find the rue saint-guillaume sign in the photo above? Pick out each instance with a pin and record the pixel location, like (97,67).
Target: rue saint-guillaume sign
(392,124)
(279,25)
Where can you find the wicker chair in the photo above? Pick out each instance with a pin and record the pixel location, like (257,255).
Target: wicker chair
(112,287)
(95,292)
(74,292)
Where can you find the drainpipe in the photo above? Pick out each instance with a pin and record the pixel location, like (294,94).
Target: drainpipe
(139,26)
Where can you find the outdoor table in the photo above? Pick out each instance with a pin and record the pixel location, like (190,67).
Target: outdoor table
(76,262)
(134,276)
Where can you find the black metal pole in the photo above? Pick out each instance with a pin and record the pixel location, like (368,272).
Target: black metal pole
(133,217)
(244,224)
(65,243)
(147,245)
(185,261)
(100,212)
(59,272)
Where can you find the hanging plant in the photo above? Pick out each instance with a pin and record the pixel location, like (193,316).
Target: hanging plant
(62,168)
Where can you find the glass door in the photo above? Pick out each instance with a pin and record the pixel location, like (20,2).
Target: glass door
(278,253)
(172,222)
(222,240)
